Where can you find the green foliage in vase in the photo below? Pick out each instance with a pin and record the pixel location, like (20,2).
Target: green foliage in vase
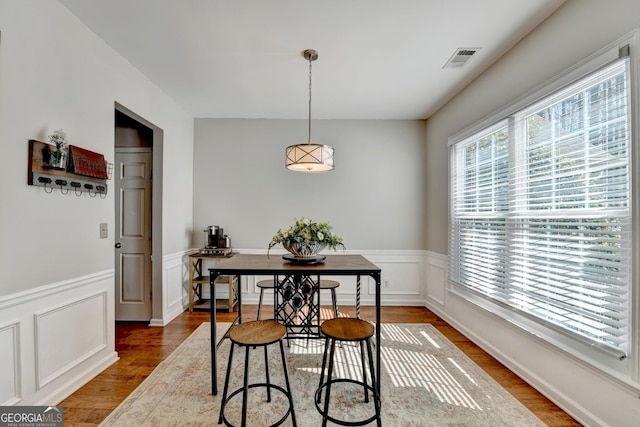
(59,139)
(307,236)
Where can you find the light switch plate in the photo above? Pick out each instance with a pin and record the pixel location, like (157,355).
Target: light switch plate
(103,230)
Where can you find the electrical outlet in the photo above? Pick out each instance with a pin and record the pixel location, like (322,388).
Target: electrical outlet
(103,231)
(385,284)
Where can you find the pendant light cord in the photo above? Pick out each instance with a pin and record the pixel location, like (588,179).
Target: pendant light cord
(309,139)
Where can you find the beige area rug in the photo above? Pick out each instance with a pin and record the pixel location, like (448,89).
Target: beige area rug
(426,381)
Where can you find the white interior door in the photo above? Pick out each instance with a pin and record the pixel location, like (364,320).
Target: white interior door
(133,233)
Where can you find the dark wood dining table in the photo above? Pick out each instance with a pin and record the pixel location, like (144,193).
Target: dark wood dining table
(274,265)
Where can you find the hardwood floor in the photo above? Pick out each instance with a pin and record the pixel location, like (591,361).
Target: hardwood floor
(141,348)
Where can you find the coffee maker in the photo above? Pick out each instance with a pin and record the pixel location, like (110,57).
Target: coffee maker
(213,236)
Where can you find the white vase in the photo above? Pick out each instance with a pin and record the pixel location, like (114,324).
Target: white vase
(303,251)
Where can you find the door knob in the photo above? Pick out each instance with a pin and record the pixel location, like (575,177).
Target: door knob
(118,245)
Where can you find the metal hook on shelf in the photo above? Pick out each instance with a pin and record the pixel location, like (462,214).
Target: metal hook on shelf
(89,187)
(76,186)
(44,180)
(109,170)
(102,190)
(62,183)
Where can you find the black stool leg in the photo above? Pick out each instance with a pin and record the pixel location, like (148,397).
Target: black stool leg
(286,380)
(364,373)
(226,384)
(324,364)
(329,376)
(335,303)
(245,391)
(376,396)
(266,369)
(260,303)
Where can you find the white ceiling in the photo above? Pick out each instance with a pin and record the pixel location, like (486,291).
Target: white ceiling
(378,59)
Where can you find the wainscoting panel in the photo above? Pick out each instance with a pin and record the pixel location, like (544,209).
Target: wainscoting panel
(10,364)
(175,287)
(55,338)
(402,278)
(59,350)
(436,277)
(174,274)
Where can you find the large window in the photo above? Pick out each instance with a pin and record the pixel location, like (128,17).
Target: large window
(540,216)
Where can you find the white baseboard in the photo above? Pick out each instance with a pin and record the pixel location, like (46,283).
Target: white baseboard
(81,379)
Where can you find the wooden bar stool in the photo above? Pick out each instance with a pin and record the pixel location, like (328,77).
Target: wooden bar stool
(330,285)
(258,333)
(347,330)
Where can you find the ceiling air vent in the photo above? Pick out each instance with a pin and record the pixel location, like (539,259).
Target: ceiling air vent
(461,56)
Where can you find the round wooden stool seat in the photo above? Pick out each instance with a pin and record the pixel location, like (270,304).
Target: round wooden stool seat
(329,284)
(265,284)
(257,332)
(347,329)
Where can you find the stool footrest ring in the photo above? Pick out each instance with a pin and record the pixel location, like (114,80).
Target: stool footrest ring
(342,422)
(254,385)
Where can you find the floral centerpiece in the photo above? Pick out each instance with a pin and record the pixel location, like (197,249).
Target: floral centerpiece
(305,238)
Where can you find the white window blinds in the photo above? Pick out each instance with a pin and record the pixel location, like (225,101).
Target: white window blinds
(540,216)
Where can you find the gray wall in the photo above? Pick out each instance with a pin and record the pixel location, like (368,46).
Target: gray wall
(374,198)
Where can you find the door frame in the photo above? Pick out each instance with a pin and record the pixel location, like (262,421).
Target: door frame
(157,315)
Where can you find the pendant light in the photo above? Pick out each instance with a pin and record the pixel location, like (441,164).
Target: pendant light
(309,157)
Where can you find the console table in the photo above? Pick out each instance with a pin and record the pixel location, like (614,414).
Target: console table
(196,280)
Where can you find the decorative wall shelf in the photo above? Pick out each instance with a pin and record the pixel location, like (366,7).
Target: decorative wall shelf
(41,175)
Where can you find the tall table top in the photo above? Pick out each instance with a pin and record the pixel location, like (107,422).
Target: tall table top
(263,264)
